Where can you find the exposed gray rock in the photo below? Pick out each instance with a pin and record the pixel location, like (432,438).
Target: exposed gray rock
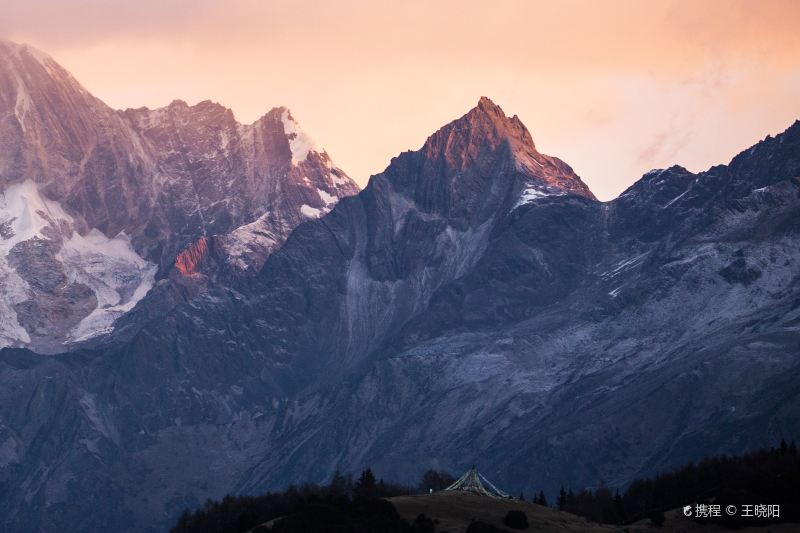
(56,304)
(155,181)
(474,304)
(35,262)
(6,231)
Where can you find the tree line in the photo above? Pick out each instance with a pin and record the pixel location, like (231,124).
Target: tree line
(769,476)
(344,504)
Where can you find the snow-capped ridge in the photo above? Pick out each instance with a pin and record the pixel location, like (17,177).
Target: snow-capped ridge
(117,275)
(533,193)
(299,141)
(153,180)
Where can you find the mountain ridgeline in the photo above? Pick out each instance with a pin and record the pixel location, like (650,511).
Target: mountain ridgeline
(98,205)
(473,304)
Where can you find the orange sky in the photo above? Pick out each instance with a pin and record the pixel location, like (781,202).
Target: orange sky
(614,88)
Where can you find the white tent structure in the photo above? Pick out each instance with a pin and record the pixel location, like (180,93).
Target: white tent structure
(474,482)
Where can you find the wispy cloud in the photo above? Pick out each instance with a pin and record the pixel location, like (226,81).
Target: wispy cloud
(664,146)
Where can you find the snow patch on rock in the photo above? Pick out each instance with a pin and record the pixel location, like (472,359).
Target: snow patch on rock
(681,195)
(117,275)
(623,265)
(310,212)
(24,215)
(22,105)
(299,141)
(532,193)
(327,198)
(27,214)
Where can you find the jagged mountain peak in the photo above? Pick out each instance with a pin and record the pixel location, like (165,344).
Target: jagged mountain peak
(147,183)
(480,132)
(486,133)
(568,317)
(482,163)
(44,106)
(660,174)
(180,112)
(512,125)
(9,48)
(300,142)
(30,66)
(280,121)
(760,166)
(777,154)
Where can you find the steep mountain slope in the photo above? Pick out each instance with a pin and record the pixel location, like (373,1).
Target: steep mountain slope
(247,186)
(241,355)
(474,303)
(83,183)
(583,342)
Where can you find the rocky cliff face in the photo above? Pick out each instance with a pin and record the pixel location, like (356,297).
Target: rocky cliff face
(104,203)
(474,304)
(246,186)
(575,340)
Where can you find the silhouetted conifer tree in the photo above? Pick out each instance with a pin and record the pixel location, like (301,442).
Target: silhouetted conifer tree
(365,486)
(339,484)
(562,498)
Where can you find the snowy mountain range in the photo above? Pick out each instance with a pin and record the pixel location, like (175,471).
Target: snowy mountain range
(98,204)
(474,304)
